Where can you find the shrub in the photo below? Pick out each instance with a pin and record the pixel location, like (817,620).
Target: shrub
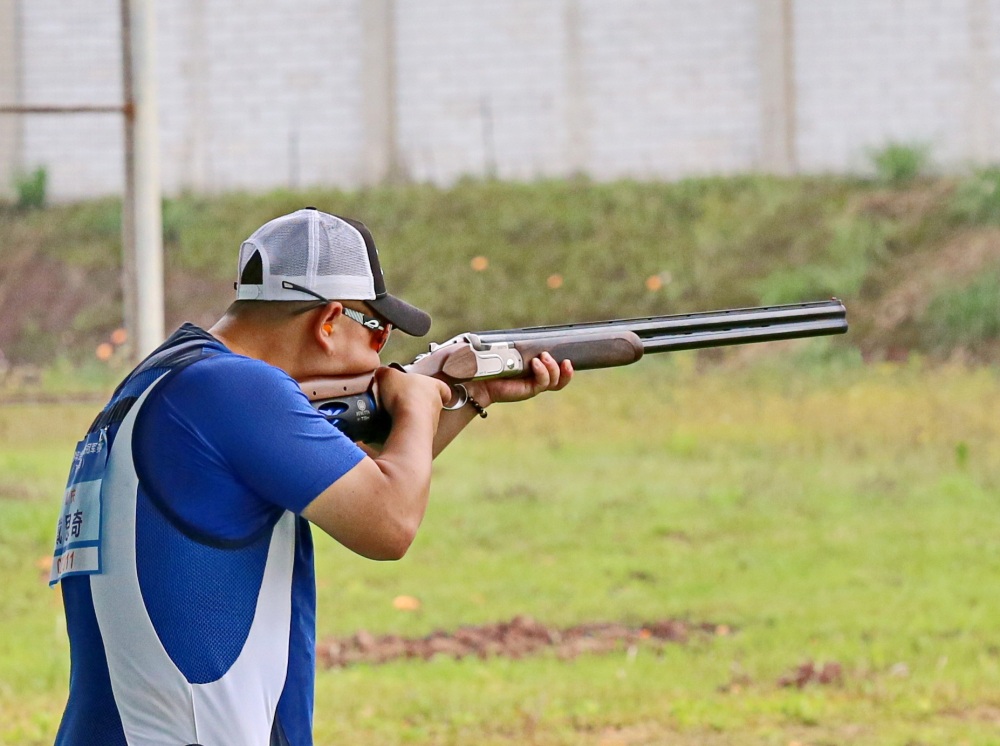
(897,164)
(31,189)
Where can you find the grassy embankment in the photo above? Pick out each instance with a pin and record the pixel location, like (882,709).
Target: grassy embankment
(919,264)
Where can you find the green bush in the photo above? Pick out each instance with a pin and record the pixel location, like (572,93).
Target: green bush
(897,164)
(31,189)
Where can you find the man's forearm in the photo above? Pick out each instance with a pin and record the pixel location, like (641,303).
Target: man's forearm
(450,425)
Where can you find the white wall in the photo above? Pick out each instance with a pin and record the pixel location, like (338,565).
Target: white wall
(257,94)
(903,70)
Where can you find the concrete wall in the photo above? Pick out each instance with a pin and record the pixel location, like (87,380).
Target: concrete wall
(269,93)
(70,56)
(905,70)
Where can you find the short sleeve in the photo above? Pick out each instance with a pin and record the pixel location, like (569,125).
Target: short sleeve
(228,440)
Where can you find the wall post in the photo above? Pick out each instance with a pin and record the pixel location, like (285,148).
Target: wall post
(381,160)
(777,87)
(577,121)
(981,106)
(11,125)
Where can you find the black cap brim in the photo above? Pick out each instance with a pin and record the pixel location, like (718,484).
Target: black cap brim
(402,315)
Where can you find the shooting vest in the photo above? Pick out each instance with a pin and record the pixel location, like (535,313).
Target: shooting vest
(147,670)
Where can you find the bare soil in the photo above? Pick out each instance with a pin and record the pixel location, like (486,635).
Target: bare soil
(520,637)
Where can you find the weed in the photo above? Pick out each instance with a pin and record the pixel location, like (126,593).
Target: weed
(31,189)
(897,164)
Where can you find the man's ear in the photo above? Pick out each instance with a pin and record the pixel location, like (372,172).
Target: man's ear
(323,326)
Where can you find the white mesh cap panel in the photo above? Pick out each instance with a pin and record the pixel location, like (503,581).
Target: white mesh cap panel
(342,268)
(286,243)
(312,249)
(347,254)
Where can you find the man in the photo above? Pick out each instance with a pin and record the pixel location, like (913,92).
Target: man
(184,547)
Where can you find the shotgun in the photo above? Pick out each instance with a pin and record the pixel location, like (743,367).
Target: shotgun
(351,403)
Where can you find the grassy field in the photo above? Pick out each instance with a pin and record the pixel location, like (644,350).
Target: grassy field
(809,509)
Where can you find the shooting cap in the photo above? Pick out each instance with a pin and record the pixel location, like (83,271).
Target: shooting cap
(331,256)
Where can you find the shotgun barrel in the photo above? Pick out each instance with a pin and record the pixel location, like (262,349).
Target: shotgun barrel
(690,331)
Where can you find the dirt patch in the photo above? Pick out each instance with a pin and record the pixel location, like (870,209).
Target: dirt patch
(518,638)
(912,203)
(15,491)
(200,299)
(983,713)
(48,306)
(810,672)
(961,259)
(892,318)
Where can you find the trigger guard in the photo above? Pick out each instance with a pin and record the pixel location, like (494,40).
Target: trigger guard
(461,398)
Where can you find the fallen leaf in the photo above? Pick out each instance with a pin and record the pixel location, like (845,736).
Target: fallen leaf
(406,603)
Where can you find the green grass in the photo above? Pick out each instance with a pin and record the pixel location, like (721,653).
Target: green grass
(821,509)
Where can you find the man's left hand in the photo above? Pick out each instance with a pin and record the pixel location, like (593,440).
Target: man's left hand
(546,375)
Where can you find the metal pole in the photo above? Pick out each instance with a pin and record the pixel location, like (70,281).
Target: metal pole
(981,100)
(11,89)
(577,112)
(379,110)
(776,39)
(129,311)
(142,222)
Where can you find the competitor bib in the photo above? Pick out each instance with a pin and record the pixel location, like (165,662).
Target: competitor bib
(78,533)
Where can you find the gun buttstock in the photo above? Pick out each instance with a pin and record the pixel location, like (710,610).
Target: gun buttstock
(333,387)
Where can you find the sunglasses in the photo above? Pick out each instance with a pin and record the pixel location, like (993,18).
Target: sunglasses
(379,330)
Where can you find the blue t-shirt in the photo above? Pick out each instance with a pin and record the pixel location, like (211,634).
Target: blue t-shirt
(202,562)
(228,443)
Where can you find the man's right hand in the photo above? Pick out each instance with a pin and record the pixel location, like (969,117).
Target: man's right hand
(399,391)
(376,508)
